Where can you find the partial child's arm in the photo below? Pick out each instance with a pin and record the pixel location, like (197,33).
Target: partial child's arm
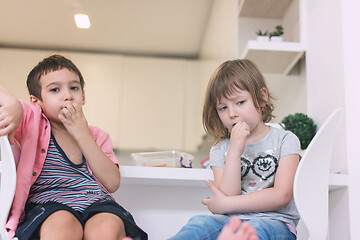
(269,199)
(228,179)
(102,167)
(10,114)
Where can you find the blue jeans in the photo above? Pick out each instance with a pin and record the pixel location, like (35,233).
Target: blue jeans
(208,227)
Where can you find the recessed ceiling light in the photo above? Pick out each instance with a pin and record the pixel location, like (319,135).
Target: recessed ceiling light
(82,20)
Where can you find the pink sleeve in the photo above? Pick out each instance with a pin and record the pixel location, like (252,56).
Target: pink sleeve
(104,142)
(18,133)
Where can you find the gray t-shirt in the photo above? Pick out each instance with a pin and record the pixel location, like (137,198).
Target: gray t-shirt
(258,167)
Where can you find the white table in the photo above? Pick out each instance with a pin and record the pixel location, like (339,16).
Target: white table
(162,200)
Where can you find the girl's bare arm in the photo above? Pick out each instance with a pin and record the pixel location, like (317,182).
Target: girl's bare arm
(269,199)
(228,179)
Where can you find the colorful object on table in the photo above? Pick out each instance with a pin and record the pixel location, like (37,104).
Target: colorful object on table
(184,166)
(205,163)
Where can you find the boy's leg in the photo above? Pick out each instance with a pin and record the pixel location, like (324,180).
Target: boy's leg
(61,225)
(202,227)
(119,221)
(104,226)
(49,218)
(271,229)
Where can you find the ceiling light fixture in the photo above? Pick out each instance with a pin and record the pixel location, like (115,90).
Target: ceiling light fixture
(82,20)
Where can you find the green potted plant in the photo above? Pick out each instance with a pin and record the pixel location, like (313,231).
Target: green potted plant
(302,126)
(262,36)
(276,35)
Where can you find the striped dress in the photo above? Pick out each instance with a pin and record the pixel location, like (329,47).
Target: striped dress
(67,183)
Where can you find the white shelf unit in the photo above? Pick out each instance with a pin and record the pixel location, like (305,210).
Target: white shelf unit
(337,181)
(263,8)
(274,57)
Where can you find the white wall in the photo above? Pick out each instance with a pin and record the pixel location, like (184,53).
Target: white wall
(221,41)
(289,93)
(15,65)
(325,69)
(351,54)
(333,81)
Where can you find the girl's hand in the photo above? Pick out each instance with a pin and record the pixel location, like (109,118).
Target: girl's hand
(238,136)
(74,120)
(217,203)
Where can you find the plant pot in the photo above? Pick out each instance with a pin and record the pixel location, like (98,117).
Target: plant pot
(276,39)
(263,38)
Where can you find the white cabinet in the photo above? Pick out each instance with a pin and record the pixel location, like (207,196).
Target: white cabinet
(144,103)
(102,75)
(272,57)
(152,104)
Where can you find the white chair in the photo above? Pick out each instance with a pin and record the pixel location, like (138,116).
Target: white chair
(311,183)
(8,184)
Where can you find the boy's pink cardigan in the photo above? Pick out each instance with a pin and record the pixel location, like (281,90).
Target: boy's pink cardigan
(33,134)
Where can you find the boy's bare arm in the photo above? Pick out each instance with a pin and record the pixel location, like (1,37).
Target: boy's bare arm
(102,167)
(10,114)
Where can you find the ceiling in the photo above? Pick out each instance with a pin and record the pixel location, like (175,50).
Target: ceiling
(169,28)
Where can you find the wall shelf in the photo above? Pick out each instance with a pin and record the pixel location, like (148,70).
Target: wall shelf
(274,57)
(263,9)
(337,181)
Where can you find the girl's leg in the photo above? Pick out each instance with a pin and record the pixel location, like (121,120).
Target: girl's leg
(268,229)
(235,229)
(104,226)
(202,227)
(61,225)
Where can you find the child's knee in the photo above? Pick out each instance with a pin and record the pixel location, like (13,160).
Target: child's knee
(62,218)
(206,220)
(104,226)
(62,222)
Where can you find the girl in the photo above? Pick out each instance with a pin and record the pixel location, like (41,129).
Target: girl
(253,164)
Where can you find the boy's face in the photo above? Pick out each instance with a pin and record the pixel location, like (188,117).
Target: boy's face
(59,89)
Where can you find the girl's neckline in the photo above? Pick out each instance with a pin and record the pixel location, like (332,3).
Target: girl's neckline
(262,139)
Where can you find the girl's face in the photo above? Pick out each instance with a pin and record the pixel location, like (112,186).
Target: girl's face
(58,90)
(239,107)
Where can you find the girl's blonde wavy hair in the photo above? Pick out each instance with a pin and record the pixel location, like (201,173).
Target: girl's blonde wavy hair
(227,78)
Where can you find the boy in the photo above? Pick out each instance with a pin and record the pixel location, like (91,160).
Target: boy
(66,169)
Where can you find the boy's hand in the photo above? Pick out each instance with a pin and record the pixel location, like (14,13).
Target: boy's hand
(238,136)
(74,120)
(10,115)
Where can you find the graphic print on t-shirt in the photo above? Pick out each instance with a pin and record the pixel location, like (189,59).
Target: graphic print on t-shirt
(257,172)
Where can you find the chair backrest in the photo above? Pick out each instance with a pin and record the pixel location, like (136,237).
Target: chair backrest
(8,183)
(311,183)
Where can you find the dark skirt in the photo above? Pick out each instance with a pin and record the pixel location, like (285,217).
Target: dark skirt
(35,215)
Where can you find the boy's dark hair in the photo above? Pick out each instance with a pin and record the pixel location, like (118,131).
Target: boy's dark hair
(50,64)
